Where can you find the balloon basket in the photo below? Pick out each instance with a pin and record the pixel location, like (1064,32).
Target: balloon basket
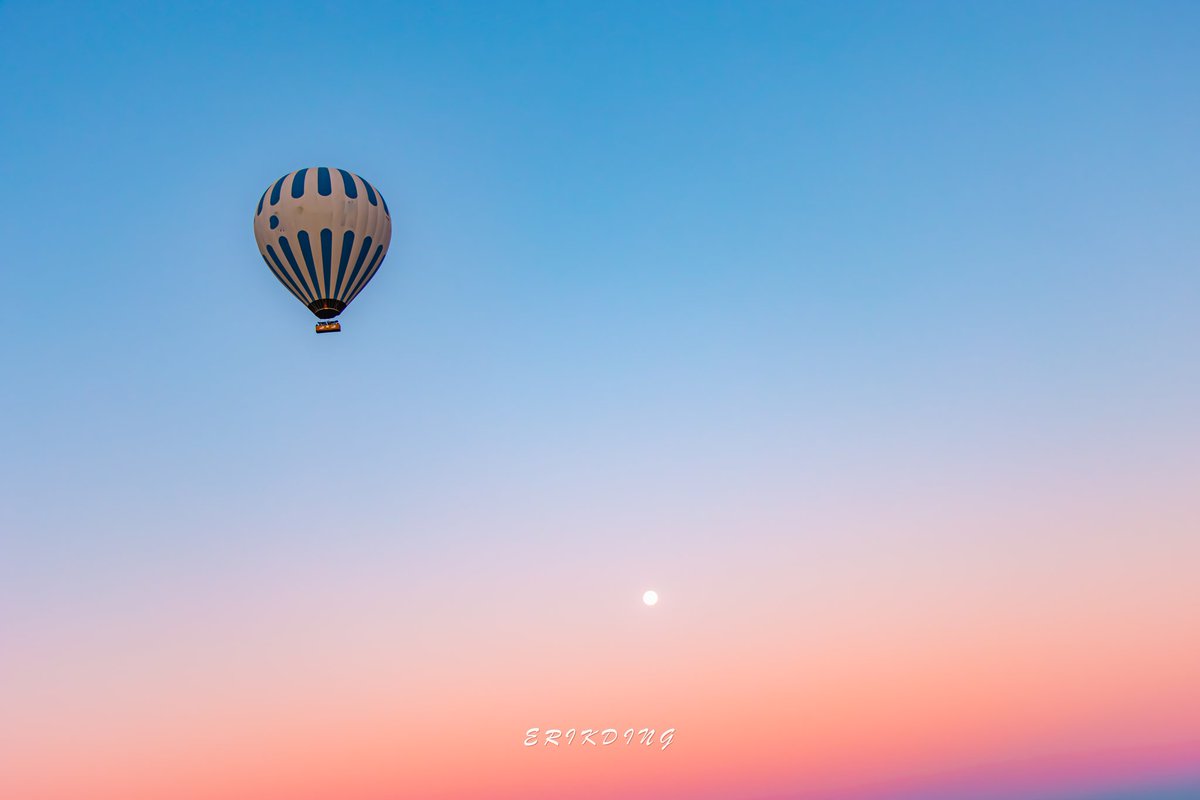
(332,326)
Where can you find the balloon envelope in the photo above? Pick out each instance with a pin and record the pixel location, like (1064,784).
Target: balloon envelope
(323,232)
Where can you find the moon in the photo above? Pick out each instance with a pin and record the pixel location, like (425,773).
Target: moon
(650,597)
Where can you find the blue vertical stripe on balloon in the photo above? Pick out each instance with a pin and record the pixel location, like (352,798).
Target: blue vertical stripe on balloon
(348,182)
(362,256)
(306,249)
(291,257)
(323,187)
(370,193)
(297,284)
(326,258)
(276,188)
(347,247)
(385,208)
(298,183)
(274,222)
(260,202)
(374,260)
(370,273)
(282,276)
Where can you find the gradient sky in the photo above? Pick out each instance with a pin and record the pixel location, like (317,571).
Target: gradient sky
(867,334)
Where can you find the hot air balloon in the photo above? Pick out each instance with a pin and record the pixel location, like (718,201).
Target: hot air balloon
(323,232)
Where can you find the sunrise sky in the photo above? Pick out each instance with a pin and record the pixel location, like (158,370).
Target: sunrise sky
(866,334)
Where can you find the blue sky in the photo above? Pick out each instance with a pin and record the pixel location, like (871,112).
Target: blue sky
(802,207)
(622,229)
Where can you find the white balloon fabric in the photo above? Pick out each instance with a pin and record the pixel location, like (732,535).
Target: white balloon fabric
(323,232)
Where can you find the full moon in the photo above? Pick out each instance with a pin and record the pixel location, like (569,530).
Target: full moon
(650,597)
